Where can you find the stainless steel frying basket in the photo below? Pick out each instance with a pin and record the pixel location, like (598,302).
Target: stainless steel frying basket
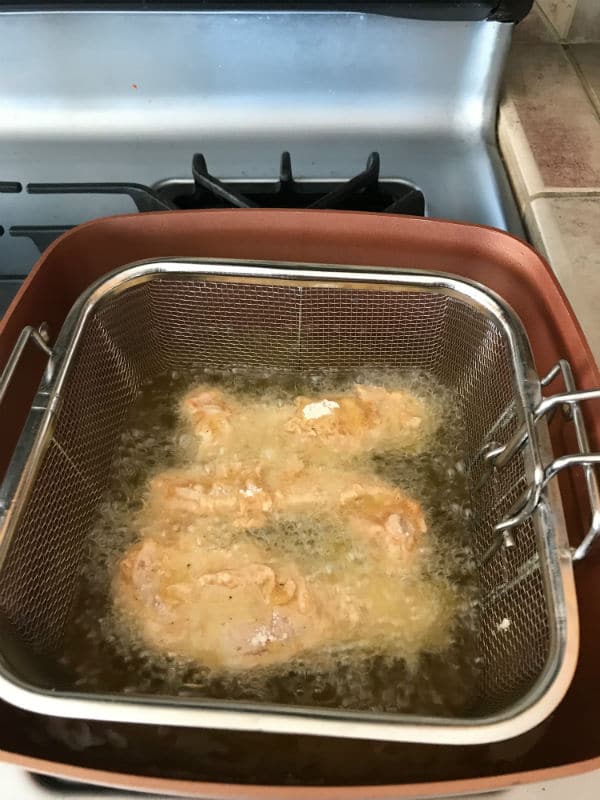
(151,317)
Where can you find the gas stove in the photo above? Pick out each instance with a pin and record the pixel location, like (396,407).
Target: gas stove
(363,192)
(103,110)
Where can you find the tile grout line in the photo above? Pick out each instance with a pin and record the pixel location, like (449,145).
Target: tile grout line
(582,79)
(571,18)
(520,153)
(556,194)
(563,194)
(520,150)
(548,21)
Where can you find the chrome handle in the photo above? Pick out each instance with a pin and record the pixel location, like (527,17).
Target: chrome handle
(584,458)
(40,336)
(499,456)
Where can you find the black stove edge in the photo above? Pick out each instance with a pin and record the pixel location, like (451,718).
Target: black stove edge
(445,10)
(365,191)
(511,10)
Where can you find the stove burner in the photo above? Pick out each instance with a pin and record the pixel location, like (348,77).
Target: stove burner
(364,192)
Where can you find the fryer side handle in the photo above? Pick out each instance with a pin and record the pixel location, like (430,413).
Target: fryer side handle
(499,456)
(584,458)
(40,337)
(20,457)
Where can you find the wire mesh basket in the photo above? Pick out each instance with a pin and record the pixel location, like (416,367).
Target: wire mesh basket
(154,316)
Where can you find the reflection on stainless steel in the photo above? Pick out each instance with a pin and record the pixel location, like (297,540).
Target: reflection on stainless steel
(8,289)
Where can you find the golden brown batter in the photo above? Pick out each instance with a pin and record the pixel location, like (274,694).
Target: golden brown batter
(200,585)
(331,428)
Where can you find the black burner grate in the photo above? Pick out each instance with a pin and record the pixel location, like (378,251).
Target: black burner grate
(364,192)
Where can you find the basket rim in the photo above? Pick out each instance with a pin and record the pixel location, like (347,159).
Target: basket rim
(556,566)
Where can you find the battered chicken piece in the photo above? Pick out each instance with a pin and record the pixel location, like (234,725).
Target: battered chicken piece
(224,427)
(246,605)
(365,418)
(328,429)
(234,492)
(393,523)
(232,609)
(210,413)
(243,607)
(246,496)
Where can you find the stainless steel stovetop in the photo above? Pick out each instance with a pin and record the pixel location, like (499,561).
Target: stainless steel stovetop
(105,96)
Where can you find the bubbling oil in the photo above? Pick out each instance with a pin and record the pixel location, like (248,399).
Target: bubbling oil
(426,665)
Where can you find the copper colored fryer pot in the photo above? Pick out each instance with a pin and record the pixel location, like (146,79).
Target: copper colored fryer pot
(568,742)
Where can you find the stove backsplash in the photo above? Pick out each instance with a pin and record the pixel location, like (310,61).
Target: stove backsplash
(130,97)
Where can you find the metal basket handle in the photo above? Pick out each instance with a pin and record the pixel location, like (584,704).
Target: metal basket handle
(570,401)
(40,336)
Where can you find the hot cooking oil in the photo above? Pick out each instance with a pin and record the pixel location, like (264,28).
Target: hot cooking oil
(424,661)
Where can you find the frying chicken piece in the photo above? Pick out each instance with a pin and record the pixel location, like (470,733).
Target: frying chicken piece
(364,418)
(224,427)
(234,608)
(244,606)
(368,417)
(393,523)
(210,413)
(347,423)
(197,585)
(246,496)
(233,492)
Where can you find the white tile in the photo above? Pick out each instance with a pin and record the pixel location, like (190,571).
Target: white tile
(546,106)
(566,229)
(517,154)
(587,59)
(560,13)
(535,28)
(585,24)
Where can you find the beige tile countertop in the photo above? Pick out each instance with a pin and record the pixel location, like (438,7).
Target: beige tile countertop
(549,134)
